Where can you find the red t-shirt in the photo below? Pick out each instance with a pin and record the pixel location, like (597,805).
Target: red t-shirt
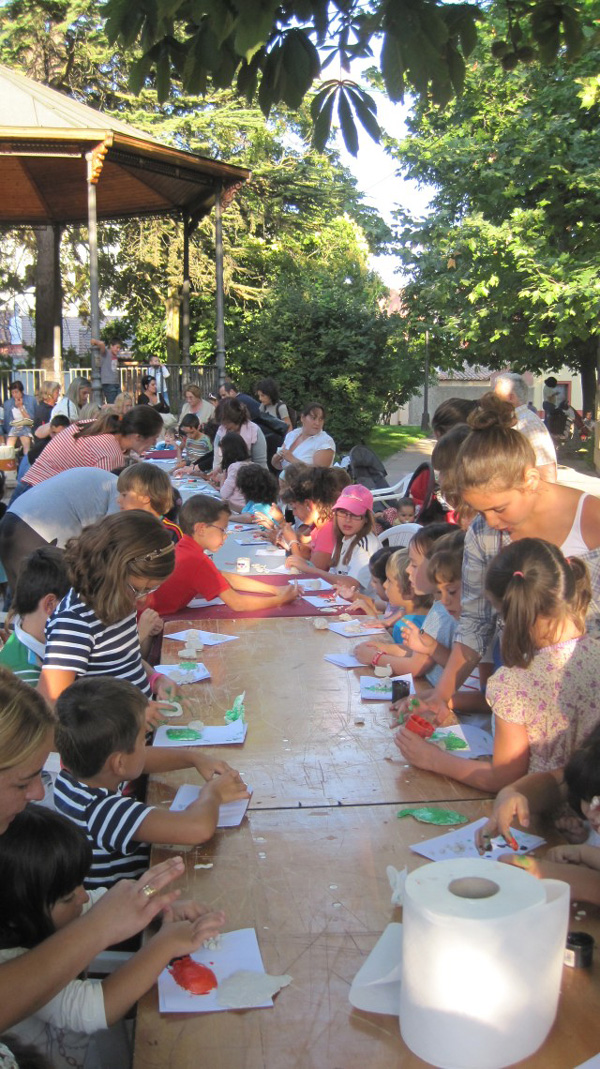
(323,538)
(194,575)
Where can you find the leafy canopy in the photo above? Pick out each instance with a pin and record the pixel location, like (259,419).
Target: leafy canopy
(278,50)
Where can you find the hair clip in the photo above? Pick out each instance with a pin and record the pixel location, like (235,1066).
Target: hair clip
(155,553)
(595,803)
(518,573)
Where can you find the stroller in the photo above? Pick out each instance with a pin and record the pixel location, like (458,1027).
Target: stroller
(366,468)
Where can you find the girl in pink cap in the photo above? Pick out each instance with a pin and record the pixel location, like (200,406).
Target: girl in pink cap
(355,542)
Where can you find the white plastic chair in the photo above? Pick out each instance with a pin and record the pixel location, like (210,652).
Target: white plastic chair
(399,536)
(393,493)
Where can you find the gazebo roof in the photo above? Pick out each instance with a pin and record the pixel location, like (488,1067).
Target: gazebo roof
(43,167)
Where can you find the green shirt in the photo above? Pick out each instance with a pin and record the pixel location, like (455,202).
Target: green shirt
(23,655)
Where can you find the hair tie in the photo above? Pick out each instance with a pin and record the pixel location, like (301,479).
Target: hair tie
(568,560)
(518,573)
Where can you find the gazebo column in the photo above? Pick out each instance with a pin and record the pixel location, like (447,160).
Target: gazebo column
(185,294)
(95,160)
(219,288)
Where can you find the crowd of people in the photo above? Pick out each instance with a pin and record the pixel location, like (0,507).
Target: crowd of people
(485,577)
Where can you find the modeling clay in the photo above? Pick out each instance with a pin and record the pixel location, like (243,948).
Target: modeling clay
(320,625)
(449,741)
(383,670)
(191,976)
(237,711)
(419,726)
(430,815)
(183,734)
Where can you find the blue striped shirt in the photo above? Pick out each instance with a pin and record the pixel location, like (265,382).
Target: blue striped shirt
(109,821)
(77,641)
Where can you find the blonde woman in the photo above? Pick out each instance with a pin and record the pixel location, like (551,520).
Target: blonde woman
(122,404)
(32,979)
(196,405)
(77,395)
(49,394)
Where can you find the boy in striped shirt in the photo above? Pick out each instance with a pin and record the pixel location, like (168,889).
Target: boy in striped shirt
(100,737)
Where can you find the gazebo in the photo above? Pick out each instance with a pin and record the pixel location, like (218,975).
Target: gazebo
(62,162)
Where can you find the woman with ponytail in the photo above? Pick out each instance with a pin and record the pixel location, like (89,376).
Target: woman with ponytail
(496,476)
(544,698)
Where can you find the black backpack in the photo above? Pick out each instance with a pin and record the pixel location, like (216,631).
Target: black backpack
(273,429)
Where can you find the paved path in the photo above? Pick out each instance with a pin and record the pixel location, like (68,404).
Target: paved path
(405,462)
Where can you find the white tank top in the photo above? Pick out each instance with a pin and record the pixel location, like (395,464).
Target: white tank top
(573,545)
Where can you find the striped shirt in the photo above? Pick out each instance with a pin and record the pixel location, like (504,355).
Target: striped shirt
(23,655)
(109,821)
(65,451)
(77,641)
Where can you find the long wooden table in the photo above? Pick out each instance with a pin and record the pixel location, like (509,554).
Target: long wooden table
(307,867)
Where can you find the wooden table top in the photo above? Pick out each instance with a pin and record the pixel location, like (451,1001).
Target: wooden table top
(303,746)
(313,884)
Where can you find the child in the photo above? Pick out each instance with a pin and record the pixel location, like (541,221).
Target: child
(355,542)
(204,524)
(234,453)
(197,444)
(260,490)
(578,864)
(375,652)
(399,592)
(406,510)
(112,565)
(43,582)
(45,859)
(311,493)
(148,488)
(542,697)
(100,737)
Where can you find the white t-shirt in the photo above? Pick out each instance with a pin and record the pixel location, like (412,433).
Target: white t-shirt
(358,565)
(307,449)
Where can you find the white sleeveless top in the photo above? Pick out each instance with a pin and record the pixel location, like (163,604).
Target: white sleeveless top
(573,545)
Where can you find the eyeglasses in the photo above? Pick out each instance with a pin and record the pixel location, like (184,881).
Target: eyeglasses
(138,594)
(221,530)
(154,554)
(349,515)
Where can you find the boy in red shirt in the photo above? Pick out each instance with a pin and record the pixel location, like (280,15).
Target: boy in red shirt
(203,520)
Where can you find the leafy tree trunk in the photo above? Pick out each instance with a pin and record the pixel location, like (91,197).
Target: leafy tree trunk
(589,375)
(48,295)
(172,305)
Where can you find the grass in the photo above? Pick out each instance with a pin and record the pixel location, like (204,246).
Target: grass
(387,440)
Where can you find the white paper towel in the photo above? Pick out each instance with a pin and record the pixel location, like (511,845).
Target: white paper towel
(480,976)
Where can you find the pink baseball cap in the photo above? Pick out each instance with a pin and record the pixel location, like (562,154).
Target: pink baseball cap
(356,499)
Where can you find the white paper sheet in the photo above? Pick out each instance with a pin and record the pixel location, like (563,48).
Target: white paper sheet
(344,660)
(209,638)
(231,814)
(592,1063)
(192,675)
(461,843)
(253,540)
(273,551)
(202,603)
(358,628)
(239,527)
(480,743)
(212,735)
(324,602)
(376,986)
(373,689)
(238,950)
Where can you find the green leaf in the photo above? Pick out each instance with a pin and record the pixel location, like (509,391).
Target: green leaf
(456,70)
(347,124)
(254,26)
(163,75)
(365,108)
(573,31)
(321,110)
(392,67)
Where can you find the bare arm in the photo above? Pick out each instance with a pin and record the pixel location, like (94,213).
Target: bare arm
(323,458)
(510,758)
(53,681)
(198,822)
(540,792)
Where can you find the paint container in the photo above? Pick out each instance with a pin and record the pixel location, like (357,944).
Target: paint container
(243,565)
(579,950)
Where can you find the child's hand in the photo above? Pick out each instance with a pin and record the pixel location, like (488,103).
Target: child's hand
(296,563)
(509,805)
(362,603)
(154,716)
(416,640)
(183,937)
(567,853)
(149,623)
(187,910)
(166,689)
(365,651)
(349,592)
(228,787)
(208,766)
(290,592)
(417,751)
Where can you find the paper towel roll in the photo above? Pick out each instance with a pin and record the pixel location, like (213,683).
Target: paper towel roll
(480,975)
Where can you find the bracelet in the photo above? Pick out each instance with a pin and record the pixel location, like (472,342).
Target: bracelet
(376,658)
(293,542)
(153,680)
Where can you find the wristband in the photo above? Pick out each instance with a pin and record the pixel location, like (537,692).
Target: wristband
(376,658)
(153,680)
(293,542)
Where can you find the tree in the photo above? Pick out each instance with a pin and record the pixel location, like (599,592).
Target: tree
(504,269)
(277,50)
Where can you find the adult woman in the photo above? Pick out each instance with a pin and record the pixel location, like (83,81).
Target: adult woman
(150,396)
(195,404)
(32,979)
(309,442)
(18,417)
(267,391)
(496,475)
(103,443)
(232,415)
(123,403)
(77,395)
(312,495)
(49,394)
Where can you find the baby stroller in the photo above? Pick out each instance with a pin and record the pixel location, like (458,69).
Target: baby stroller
(366,468)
